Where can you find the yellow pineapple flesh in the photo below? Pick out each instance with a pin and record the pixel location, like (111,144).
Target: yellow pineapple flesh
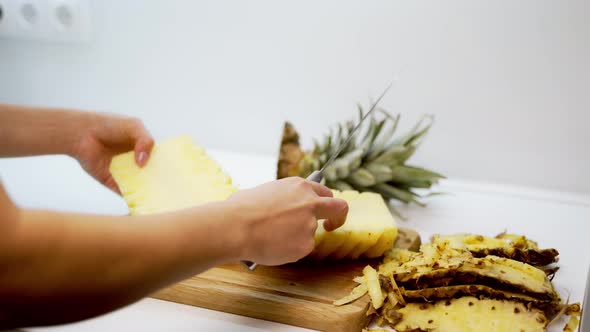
(178,175)
(369,231)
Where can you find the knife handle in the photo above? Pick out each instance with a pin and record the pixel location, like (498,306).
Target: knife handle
(316,176)
(249,265)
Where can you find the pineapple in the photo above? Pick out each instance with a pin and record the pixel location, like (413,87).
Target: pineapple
(505,245)
(469,314)
(180,175)
(369,230)
(502,273)
(549,308)
(372,161)
(445,287)
(437,293)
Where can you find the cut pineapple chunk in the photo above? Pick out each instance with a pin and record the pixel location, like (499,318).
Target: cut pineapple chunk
(178,175)
(369,230)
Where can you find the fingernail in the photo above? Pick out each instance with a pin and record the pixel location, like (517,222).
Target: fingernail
(142,158)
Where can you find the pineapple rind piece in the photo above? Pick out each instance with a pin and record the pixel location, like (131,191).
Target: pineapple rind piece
(437,264)
(373,286)
(549,308)
(445,273)
(506,272)
(504,245)
(178,175)
(470,314)
(356,293)
(437,293)
(470,241)
(572,324)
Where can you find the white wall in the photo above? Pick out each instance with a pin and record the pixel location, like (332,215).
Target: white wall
(508,81)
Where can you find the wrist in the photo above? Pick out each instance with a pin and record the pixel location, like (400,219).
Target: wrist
(82,126)
(214,230)
(235,229)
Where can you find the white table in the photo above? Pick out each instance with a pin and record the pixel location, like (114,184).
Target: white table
(554,219)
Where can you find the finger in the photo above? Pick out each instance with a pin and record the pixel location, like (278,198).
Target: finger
(142,150)
(320,189)
(143,144)
(110,183)
(334,210)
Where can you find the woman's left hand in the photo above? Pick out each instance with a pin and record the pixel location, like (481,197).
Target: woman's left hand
(105,136)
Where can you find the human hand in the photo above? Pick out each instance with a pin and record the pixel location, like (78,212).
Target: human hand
(279,218)
(104,136)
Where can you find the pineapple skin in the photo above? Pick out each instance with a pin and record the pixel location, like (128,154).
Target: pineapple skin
(470,314)
(178,175)
(504,245)
(369,230)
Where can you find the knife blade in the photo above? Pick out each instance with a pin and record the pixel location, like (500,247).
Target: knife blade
(318,175)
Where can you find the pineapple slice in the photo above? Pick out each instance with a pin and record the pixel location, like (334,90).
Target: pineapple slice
(469,314)
(178,175)
(369,230)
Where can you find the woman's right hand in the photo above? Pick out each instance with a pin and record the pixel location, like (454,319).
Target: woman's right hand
(279,218)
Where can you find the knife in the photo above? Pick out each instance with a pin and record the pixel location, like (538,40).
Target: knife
(318,175)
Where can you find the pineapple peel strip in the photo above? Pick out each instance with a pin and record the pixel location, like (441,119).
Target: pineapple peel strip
(356,293)
(373,286)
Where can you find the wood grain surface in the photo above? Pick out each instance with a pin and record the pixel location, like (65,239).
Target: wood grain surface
(299,294)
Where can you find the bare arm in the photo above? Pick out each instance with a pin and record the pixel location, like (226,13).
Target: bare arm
(27,131)
(59,267)
(92,138)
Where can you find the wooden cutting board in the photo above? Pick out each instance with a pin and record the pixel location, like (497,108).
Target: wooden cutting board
(299,294)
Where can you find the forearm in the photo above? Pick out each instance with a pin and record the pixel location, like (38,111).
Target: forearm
(26,131)
(62,267)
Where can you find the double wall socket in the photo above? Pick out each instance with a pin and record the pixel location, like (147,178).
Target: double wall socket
(47,20)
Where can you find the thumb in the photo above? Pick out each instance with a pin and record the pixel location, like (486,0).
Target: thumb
(334,210)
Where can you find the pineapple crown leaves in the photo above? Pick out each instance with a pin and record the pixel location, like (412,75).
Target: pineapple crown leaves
(374,160)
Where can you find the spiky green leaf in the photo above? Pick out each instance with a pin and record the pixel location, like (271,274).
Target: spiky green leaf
(362,177)
(339,185)
(382,173)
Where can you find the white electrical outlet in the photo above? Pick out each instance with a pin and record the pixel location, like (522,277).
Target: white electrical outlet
(47,20)
(69,20)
